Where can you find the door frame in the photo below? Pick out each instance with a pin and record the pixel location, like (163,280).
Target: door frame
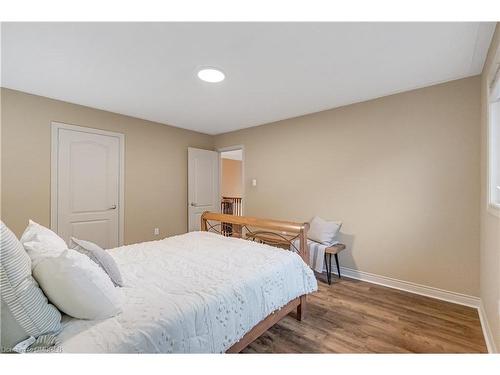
(56,126)
(232,148)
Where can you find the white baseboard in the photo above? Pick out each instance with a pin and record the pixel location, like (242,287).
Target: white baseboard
(428,291)
(407,286)
(488,335)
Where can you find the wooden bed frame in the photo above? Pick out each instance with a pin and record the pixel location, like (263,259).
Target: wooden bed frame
(245,227)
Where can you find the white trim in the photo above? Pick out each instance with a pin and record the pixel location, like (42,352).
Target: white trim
(488,335)
(232,148)
(54,168)
(407,286)
(493,75)
(492,206)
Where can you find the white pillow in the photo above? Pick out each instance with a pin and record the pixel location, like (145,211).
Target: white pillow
(40,242)
(100,257)
(78,286)
(323,231)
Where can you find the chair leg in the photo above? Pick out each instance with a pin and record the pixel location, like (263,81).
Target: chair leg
(328,264)
(338,264)
(330,267)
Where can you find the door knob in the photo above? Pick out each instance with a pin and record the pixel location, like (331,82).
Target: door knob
(113,207)
(194,204)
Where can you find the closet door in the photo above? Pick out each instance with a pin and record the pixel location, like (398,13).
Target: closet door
(88,186)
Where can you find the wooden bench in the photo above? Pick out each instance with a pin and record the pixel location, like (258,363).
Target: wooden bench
(329,251)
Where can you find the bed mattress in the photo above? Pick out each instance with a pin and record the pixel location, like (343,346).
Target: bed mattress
(194,293)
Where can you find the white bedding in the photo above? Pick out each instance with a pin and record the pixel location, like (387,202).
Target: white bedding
(193,293)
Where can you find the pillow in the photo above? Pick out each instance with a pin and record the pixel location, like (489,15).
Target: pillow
(323,231)
(41,242)
(11,332)
(22,300)
(99,256)
(78,286)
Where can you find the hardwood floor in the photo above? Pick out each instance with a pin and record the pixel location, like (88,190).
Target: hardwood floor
(352,316)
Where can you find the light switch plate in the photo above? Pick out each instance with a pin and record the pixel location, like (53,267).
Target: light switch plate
(157,231)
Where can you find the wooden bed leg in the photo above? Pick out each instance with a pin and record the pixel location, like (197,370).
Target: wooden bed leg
(301,308)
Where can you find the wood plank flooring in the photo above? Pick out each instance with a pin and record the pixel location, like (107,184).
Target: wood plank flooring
(352,316)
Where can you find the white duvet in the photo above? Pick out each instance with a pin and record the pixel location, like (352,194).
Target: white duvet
(194,293)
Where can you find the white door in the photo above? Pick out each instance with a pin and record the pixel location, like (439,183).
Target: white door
(88,185)
(203,184)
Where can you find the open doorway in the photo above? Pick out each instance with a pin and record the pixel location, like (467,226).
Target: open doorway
(232,188)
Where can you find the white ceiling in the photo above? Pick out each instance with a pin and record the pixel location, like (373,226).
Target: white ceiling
(273,70)
(233,155)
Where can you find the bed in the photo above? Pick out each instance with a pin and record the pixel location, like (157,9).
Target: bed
(200,292)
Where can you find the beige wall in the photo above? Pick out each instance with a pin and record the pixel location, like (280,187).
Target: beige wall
(490,224)
(401,172)
(155,164)
(231,185)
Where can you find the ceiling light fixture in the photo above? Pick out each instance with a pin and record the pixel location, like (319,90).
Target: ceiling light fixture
(211,75)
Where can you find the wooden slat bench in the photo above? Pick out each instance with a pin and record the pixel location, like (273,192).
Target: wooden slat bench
(329,251)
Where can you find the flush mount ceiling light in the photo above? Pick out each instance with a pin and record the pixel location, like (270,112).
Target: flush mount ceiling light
(211,75)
